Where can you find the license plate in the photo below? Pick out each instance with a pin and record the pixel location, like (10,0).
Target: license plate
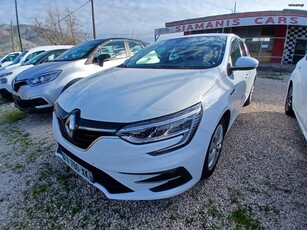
(88,175)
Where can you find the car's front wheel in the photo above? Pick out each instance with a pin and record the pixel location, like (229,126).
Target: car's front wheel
(288,104)
(214,149)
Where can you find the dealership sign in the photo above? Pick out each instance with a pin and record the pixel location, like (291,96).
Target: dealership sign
(234,22)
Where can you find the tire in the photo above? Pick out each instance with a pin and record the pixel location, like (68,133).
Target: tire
(288,104)
(250,96)
(6,95)
(214,149)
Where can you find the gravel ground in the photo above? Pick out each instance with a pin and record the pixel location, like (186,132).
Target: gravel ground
(260,181)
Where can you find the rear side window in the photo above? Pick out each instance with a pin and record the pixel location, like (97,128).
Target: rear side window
(235,51)
(54,55)
(32,55)
(134,47)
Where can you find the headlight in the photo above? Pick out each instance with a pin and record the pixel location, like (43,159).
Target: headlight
(43,78)
(5,74)
(181,124)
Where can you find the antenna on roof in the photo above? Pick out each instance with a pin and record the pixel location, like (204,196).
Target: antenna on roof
(235,8)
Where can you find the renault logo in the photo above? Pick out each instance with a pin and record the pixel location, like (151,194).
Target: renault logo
(70,125)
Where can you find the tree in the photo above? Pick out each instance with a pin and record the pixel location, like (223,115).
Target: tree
(59,29)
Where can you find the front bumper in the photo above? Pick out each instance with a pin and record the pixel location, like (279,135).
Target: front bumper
(5,87)
(127,172)
(36,99)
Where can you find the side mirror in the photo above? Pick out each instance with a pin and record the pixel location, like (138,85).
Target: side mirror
(244,63)
(102,58)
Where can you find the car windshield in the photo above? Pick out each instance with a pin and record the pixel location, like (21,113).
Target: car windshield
(19,57)
(80,51)
(197,52)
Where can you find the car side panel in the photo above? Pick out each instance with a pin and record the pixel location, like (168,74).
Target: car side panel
(299,94)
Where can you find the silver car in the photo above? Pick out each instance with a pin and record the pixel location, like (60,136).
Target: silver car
(36,89)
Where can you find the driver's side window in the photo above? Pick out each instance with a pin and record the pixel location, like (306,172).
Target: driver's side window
(116,49)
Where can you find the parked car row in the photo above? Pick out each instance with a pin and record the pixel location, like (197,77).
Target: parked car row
(142,122)
(40,55)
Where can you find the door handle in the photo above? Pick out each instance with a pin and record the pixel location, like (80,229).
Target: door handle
(232,91)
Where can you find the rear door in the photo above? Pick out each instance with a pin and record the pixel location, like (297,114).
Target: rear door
(249,75)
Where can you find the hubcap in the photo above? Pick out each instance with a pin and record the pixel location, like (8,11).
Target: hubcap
(215,146)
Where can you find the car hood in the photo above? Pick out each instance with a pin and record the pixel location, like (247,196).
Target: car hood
(44,68)
(8,67)
(128,95)
(19,69)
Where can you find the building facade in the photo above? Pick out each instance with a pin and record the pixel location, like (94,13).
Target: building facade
(271,36)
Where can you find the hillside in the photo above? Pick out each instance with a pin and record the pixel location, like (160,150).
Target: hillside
(28,36)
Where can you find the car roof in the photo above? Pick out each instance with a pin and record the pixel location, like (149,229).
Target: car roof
(50,47)
(116,38)
(203,35)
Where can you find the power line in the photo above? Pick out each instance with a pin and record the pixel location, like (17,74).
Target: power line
(73,11)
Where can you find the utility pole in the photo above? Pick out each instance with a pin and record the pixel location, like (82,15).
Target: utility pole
(21,49)
(93,19)
(12,37)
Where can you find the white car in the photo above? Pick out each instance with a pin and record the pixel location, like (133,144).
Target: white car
(7,76)
(8,59)
(154,126)
(26,56)
(296,100)
(36,89)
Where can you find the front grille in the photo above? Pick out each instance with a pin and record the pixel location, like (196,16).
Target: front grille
(112,185)
(86,131)
(82,138)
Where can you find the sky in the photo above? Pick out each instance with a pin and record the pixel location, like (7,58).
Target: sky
(135,18)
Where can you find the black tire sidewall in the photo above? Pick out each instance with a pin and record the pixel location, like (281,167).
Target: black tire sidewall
(288,109)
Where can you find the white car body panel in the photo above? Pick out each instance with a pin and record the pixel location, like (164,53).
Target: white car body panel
(299,101)
(156,90)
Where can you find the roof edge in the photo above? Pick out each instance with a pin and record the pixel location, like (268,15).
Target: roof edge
(285,12)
